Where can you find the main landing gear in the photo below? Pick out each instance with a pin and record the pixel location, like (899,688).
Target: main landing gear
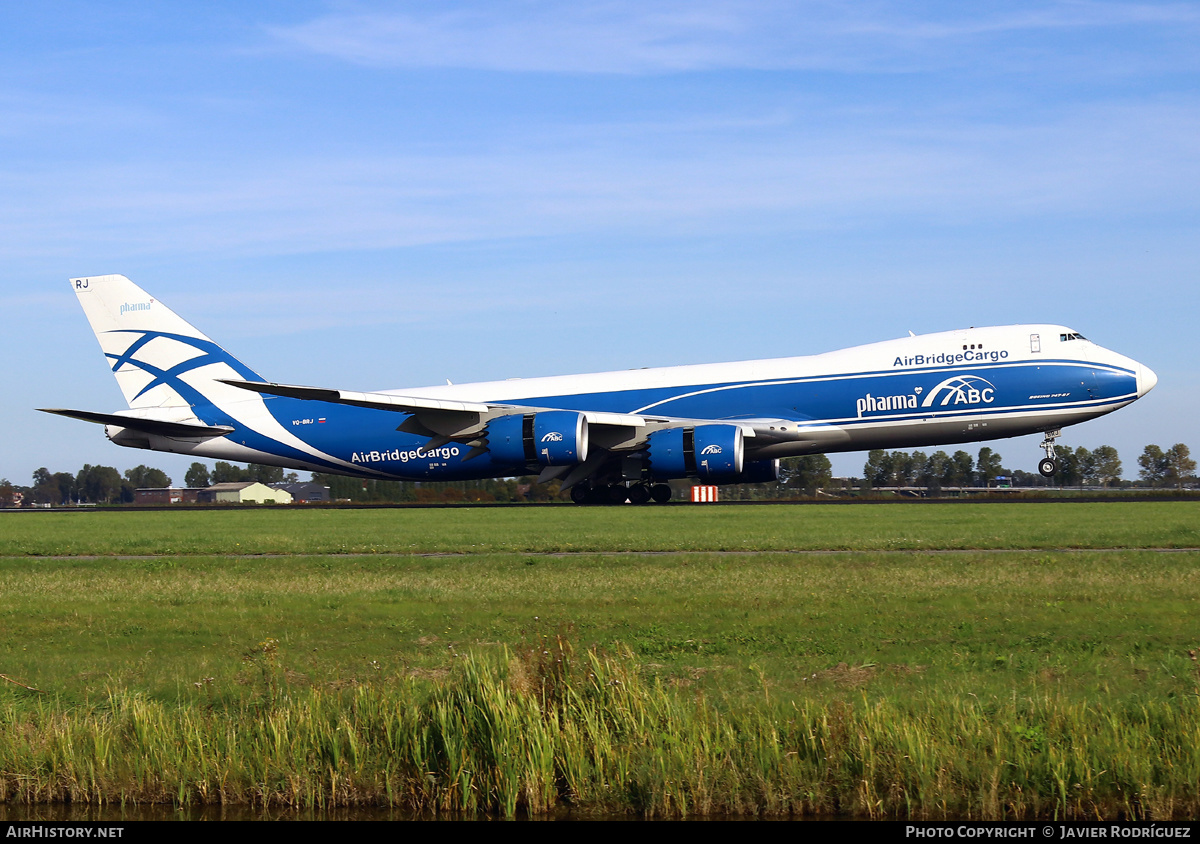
(1048,465)
(619,493)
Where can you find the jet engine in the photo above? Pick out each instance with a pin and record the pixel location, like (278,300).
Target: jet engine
(549,438)
(713,453)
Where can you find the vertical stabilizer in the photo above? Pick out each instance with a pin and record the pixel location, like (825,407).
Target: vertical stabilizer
(158,358)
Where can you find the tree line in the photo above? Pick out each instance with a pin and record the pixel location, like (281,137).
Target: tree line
(198,475)
(93,485)
(1099,467)
(798,476)
(105,485)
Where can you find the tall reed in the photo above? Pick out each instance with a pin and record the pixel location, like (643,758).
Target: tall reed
(548,729)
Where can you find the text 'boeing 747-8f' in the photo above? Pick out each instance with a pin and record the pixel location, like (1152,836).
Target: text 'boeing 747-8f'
(611,435)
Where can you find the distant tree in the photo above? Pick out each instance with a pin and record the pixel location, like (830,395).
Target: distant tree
(1023,478)
(145,477)
(1172,467)
(933,470)
(197,476)
(1085,466)
(1153,463)
(808,473)
(960,470)
(907,469)
(227,473)
(877,471)
(7,493)
(1179,465)
(98,484)
(987,466)
(1068,466)
(1106,465)
(51,489)
(68,485)
(264,474)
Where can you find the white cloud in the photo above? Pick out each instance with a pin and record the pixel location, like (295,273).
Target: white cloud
(811,170)
(665,37)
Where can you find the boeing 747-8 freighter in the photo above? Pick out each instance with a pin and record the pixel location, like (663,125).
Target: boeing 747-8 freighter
(611,435)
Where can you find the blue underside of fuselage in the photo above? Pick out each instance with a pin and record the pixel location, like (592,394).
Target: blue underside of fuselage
(367,438)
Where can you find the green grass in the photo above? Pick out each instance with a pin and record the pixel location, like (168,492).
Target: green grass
(950,682)
(74,626)
(538,731)
(566,528)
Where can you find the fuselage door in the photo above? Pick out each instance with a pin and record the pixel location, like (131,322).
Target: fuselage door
(1035,343)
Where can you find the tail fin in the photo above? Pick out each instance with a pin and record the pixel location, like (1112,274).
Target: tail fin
(158,358)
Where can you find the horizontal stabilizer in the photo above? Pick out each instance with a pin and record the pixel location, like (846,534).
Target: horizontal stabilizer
(148,426)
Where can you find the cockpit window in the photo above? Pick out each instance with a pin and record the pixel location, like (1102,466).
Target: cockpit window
(1072,336)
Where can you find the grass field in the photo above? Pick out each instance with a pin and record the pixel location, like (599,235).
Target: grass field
(987,661)
(901,526)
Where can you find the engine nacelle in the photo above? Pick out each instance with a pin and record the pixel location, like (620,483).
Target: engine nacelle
(549,438)
(561,437)
(719,453)
(713,453)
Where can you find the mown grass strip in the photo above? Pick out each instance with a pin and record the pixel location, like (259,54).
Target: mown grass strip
(548,529)
(1120,620)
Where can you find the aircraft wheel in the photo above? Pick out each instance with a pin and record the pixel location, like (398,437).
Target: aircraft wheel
(661,493)
(579,493)
(1048,467)
(639,494)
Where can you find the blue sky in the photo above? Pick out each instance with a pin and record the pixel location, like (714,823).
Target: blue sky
(380,195)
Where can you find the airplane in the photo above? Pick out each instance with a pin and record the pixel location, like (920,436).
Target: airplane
(609,437)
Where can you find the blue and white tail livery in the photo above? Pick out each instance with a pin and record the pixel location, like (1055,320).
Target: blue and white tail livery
(608,435)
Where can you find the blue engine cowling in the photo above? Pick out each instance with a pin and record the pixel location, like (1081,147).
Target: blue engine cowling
(506,440)
(712,453)
(719,452)
(561,437)
(666,455)
(549,438)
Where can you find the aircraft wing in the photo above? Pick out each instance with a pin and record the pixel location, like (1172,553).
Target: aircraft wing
(380,401)
(444,417)
(447,418)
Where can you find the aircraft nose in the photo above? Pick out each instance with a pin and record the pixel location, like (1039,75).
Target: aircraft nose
(1146,379)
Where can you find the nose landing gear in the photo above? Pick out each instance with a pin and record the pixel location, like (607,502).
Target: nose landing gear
(1048,465)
